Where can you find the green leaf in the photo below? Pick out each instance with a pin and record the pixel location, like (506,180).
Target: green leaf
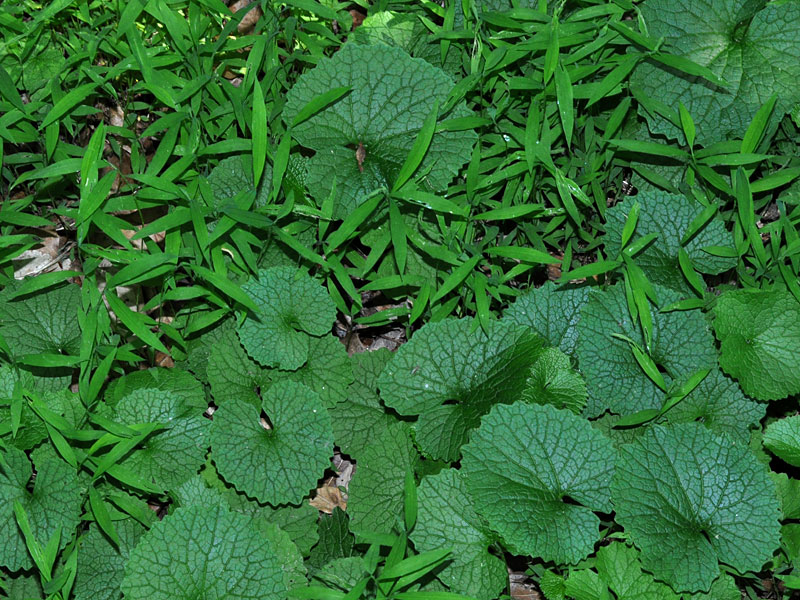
(327,371)
(621,570)
(164,564)
(360,417)
(231,373)
(318,103)
(682,345)
(782,438)
(366,136)
(586,585)
(52,504)
(670,217)
(759,335)
(67,103)
(170,381)
(447,519)
(279,459)
(522,465)
(689,130)
(169,456)
(292,306)
(101,565)
(719,404)
(553,381)
(258,129)
(375,502)
(418,150)
(234,175)
(335,539)
(451,376)
(564,100)
(551,312)
(46,322)
(745,43)
(689,499)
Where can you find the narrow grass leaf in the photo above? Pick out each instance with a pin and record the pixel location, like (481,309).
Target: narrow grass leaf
(630,225)
(418,150)
(689,273)
(280,162)
(591,270)
(651,148)
(138,323)
(757,126)
(456,277)
(354,219)
(320,102)
(681,63)
(527,255)
(42,282)
(689,130)
(32,544)
(226,286)
(410,501)
(67,103)
(9,91)
(101,515)
(564,100)
(258,129)
(552,51)
(398,233)
(617,75)
(775,180)
(416,565)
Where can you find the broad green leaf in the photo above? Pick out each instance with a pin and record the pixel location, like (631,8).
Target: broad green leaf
(553,381)
(231,373)
(335,539)
(748,44)
(719,404)
(669,216)
(447,519)
(170,381)
(293,305)
(277,459)
(682,345)
(169,456)
(585,584)
(171,561)
(101,565)
(365,137)
(299,522)
(451,377)
(521,466)
(406,31)
(788,493)
(32,429)
(52,503)
(44,322)
(234,175)
(375,502)
(327,371)
(690,499)
(346,573)
(360,418)
(782,438)
(759,335)
(621,570)
(551,312)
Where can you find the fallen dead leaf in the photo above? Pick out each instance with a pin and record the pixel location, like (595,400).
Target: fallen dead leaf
(328,497)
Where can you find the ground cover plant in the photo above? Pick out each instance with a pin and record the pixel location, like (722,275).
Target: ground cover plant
(483,299)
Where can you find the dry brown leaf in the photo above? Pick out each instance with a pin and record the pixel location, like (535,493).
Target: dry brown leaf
(328,497)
